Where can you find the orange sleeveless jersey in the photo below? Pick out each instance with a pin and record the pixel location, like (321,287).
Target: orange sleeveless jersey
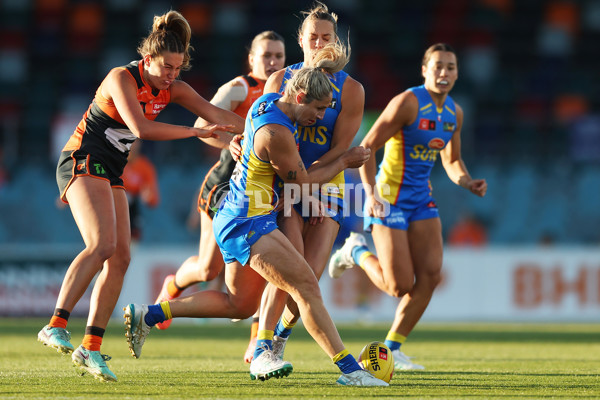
(103,120)
(254,92)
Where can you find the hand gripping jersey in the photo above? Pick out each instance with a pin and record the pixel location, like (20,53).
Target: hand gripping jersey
(315,140)
(254,185)
(411,153)
(103,132)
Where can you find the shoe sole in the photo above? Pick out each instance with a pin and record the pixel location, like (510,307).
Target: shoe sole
(83,369)
(128,318)
(346,384)
(280,373)
(61,349)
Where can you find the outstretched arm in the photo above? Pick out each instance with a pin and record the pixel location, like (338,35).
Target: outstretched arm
(351,158)
(228,97)
(120,87)
(215,111)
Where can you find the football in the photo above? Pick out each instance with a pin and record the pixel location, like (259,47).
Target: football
(377,358)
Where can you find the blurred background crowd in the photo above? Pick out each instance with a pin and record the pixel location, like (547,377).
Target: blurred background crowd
(528,82)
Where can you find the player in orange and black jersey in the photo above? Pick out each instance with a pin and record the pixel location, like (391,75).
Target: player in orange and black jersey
(266,56)
(89,176)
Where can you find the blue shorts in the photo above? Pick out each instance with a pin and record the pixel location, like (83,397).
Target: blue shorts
(235,235)
(334,208)
(400,218)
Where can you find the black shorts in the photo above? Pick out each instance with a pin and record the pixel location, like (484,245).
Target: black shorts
(216,184)
(78,163)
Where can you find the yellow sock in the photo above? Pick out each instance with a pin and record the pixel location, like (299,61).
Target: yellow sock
(287,324)
(395,337)
(340,355)
(363,257)
(166,309)
(265,335)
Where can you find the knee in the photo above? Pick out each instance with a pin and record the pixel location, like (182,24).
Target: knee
(121,258)
(206,273)
(244,310)
(399,289)
(118,263)
(432,280)
(103,250)
(305,292)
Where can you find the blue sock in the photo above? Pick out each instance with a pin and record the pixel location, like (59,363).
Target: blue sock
(392,344)
(358,251)
(348,364)
(282,331)
(155,315)
(261,346)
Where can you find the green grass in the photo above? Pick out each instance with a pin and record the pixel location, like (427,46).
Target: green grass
(464,361)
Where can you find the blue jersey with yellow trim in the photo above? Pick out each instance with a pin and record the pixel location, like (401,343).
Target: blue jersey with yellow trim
(315,140)
(254,185)
(411,153)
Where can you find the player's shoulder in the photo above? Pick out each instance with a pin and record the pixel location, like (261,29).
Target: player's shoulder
(237,81)
(277,76)
(274,82)
(405,99)
(352,84)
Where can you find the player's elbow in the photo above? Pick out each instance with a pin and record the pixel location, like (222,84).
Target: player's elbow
(142,129)
(139,132)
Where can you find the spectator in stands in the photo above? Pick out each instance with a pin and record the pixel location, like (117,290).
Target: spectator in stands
(468,231)
(4,175)
(141,186)
(89,176)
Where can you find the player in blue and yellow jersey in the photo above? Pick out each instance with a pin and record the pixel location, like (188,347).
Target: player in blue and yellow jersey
(319,143)
(266,56)
(89,176)
(399,209)
(254,250)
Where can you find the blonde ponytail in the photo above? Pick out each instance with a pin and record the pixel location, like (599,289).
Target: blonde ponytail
(313,80)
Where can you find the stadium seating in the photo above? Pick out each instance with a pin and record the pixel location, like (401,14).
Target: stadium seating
(528,113)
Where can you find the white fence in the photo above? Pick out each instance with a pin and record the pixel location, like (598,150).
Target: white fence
(490,284)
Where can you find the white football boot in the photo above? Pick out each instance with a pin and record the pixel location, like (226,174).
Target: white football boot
(360,378)
(342,259)
(279,346)
(403,362)
(136,328)
(267,366)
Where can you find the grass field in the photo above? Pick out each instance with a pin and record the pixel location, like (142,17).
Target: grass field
(193,360)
